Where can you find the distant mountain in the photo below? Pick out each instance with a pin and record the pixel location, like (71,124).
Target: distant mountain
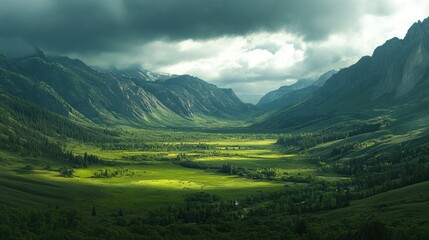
(189,96)
(393,81)
(276,94)
(292,94)
(323,78)
(71,88)
(139,74)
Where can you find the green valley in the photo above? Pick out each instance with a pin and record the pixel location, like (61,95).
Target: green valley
(156,179)
(107,149)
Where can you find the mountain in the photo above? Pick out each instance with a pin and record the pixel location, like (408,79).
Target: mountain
(276,94)
(323,78)
(138,74)
(73,89)
(292,94)
(189,96)
(393,81)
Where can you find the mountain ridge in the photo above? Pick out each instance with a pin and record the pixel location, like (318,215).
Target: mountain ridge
(67,86)
(389,79)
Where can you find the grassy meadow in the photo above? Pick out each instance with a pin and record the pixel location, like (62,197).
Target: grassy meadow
(147,183)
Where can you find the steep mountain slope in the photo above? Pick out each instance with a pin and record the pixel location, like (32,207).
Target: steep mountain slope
(71,88)
(292,94)
(98,96)
(29,129)
(394,80)
(189,96)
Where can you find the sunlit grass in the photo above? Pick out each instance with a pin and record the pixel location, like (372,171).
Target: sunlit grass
(155,183)
(152,186)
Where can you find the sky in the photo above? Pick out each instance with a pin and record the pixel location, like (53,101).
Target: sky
(251,46)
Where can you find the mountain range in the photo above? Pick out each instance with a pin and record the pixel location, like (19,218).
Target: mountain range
(90,153)
(71,88)
(393,81)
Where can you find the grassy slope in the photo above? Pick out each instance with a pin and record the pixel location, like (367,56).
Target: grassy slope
(410,203)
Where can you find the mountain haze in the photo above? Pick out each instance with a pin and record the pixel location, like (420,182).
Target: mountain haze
(280,92)
(292,94)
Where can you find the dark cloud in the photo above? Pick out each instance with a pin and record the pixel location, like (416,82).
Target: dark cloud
(224,38)
(81,26)
(16,47)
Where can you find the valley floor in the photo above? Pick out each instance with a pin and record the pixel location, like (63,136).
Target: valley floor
(151,179)
(157,179)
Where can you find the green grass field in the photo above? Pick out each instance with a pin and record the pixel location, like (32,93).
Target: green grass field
(151,185)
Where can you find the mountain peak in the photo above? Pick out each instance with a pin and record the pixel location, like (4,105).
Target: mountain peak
(418,30)
(395,75)
(185,79)
(137,73)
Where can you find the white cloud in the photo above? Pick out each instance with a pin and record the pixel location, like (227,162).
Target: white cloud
(236,59)
(260,62)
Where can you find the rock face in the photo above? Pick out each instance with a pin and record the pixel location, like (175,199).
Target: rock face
(188,96)
(138,74)
(395,75)
(394,69)
(70,87)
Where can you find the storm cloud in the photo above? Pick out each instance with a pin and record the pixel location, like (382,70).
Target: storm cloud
(253,46)
(108,25)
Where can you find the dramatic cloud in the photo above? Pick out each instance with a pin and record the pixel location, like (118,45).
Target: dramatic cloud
(91,25)
(251,46)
